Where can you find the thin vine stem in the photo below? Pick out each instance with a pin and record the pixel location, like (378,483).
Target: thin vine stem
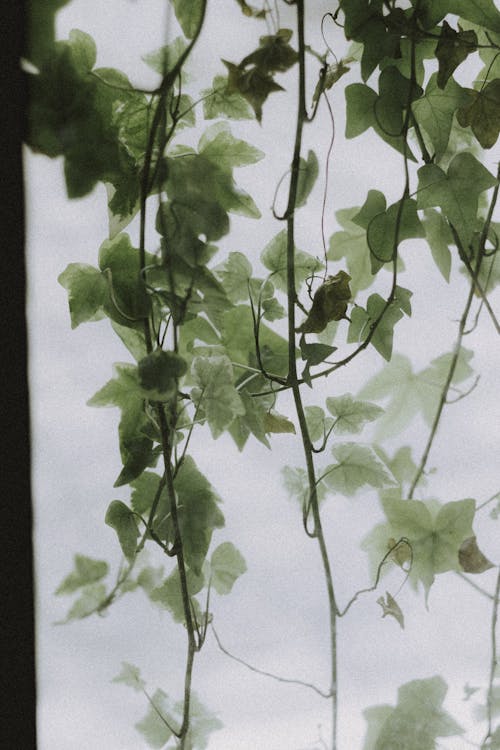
(493,663)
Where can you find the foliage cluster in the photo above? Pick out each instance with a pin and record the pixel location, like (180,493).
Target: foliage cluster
(207,334)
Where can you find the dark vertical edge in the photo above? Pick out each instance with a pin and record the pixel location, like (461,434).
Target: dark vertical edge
(17,670)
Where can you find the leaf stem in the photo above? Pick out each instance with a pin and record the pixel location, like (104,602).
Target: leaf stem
(493,663)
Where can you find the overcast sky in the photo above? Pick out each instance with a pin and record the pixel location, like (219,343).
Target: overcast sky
(276,617)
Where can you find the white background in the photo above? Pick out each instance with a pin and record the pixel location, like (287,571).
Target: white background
(276,616)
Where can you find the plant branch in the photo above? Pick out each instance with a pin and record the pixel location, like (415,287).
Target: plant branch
(493,662)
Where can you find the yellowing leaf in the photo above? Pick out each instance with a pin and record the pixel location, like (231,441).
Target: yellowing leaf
(274,422)
(329,303)
(471,558)
(392,608)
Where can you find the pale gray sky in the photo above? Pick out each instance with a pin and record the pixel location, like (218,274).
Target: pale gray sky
(276,616)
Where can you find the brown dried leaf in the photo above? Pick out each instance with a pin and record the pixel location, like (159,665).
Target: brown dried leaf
(391,607)
(329,303)
(471,558)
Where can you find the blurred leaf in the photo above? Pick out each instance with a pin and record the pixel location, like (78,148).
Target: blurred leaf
(277,423)
(308,174)
(158,373)
(220,101)
(154,727)
(131,676)
(471,558)
(189,14)
(85,570)
(215,392)
(226,565)
(220,146)
(274,258)
(358,465)
(392,608)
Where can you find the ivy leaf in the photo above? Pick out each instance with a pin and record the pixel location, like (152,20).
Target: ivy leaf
(439,237)
(409,393)
(221,101)
(252,421)
(358,465)
(452,49)
(274,54)
(435,536)
(165,58)
(435,109)
(392,608)
(90,601)
(455,192)
(315,354)
(381,231)
(198,511)
(482,113)
(226,566)
(274,258)
(329,303)
(125,392)
(127,302)
(133,339)
(216,393)
(471,558)
(362,320)
(169,593)
(220,146)
(317,423)
(253,85)
(85,571)
(123,521)
(239,342)
(297,484)
(351,244)
(158,373)
(277,423)
(308,174)
(375,717)
(365,23)
(235,274)
(131,676)
(482,12)
(361,109)
(350,416)
(417,720)
(87,292)
(154,727)
(189,14)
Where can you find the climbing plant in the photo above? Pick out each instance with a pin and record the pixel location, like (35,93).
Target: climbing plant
(219,336)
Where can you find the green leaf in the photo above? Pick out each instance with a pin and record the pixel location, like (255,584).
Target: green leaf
(375,717)
(439,237)
(226,565)
(452,49)
(274,258)
(85,571)
(239,342)
(365,23)
(455,192)
(361,104)
(83,50)
(125,392)
(357,465)
(216,393)
(417,720)
(385,227)
(482,12)
(169,593)
(351,244)
(220,146)
(219,101)
(362,320)
(133,339)
(198,511)
(165,58)
(410,393)
(131,676)
(128,302)
(235,274)
(308,174)
(158,373)
(435,536)
(189,14)
(350,416)
(315,354)
(317,424)
(154,727)
(253,85)
(482,113)
(435,109)
(91,599)
(87,292)
(123,521)
(297,484)
(252,422)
